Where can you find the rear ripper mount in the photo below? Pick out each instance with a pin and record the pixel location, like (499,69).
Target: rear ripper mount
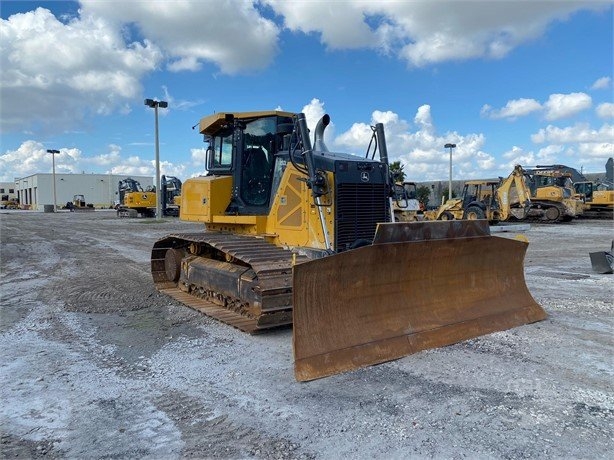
(420,285)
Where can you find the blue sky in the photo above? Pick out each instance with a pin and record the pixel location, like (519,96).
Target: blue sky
(510,82)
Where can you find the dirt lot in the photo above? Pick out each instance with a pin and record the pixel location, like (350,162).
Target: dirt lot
(94,363)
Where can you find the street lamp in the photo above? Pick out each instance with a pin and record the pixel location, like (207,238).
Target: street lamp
(55,201)
(450,146)
(155,104)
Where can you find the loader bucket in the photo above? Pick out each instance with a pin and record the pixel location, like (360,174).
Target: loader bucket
(419,285)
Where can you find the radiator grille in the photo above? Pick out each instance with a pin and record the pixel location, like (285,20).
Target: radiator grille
(359,208)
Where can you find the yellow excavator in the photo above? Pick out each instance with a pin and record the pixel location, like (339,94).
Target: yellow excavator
(297,234)
(134,201)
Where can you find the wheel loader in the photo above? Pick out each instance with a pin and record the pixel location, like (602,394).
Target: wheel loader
(297,234)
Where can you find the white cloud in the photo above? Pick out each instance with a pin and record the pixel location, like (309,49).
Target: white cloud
(313,111)
(198,156)
(565,105)
(556,107)
(340,24)
(54,73)
(232,35)
(605,110)
(422,151)
(513,109)
(595,151)
(426,32)
(580,143)
(580,132)
(602,83)
(31,157)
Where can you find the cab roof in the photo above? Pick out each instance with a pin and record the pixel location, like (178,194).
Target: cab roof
(211,124)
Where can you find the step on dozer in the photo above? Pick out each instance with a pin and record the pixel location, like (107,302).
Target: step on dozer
(419,285)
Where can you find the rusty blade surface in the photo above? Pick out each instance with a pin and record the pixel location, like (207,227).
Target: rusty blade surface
(385,301)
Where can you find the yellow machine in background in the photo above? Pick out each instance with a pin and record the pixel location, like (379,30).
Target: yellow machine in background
(495,201)
(405,204)
(78,204)
(297,234)
(598,196)
(552,192)
(135,201)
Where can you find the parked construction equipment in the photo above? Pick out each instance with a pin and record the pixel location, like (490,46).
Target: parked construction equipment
(598,196)
(405,204)
(297,234)
(135,202)
(552,192)
(495,201)
(78,204)
(171,196)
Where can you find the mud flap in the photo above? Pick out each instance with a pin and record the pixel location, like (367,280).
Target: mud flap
(420,285)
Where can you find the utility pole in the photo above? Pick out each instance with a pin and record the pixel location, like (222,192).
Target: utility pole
(155,104)
(450,146)
(55,200)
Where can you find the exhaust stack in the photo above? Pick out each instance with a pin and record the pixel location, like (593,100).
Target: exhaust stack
(318,136)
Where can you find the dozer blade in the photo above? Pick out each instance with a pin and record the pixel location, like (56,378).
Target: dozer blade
(419,285)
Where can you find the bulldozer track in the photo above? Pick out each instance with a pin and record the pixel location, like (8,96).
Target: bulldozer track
(269,268)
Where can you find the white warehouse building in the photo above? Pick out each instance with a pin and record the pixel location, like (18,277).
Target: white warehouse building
(100,190)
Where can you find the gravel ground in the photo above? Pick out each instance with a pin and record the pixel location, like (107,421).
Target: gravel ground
(94,363)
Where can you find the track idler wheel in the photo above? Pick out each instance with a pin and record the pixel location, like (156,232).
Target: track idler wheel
(553,213)
(172,264)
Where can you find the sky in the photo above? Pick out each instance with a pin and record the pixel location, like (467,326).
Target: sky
(509,82)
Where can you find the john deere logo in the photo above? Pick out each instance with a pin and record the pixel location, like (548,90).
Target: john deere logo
(364,177)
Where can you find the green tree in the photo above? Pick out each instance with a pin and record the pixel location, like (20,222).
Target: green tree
(423,193)
(396,169)
(446,195)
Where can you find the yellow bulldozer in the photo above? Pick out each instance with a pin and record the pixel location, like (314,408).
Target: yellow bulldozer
(598,196)
(297,234)
(552,193)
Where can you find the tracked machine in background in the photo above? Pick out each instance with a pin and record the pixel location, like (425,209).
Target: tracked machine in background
(135,202)
(598,196)
(297,234)
(171,196)
(553,194)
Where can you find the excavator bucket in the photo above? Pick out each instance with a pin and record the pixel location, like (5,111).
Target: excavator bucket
(419,285)
(603,261)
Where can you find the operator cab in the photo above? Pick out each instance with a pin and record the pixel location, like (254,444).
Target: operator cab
(248,146)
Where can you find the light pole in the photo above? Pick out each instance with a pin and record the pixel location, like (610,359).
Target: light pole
(450,146)
(155,104)
(55,201)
